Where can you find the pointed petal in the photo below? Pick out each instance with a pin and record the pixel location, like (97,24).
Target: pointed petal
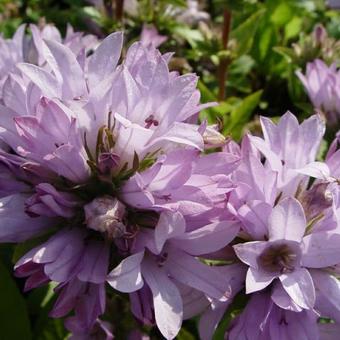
(134,193)
(273,159)
(126,277)
(209,238)
(299,286)
(321,249)
(288,129)
(224,163)
(254,217)
(95,263)
(287,221)
(257,280)
(270,133)
(311,133)
(44,80)
(172,174)
(191,272)
(15,224)
(67,161)
(315,169)
(105,58)
(282,299)
(249,252)
(170,224)
(73,81)
(181,133)
(328,294)
(210,320)
(166,299)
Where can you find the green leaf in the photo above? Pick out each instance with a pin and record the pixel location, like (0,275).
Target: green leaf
(293,28)
(179,3)
(242,66)
(53,329)
(212,114)
(241,114)
(14,321)
(282,14)
(185,335)
(206,94)
(286,52)
(92,12)
(266,38)
(39,298)
(234,5)
(40,302)
(192,36)
(244,33)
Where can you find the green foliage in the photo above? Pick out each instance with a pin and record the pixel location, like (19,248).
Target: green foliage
(244,33)
(240,115)
(14,320)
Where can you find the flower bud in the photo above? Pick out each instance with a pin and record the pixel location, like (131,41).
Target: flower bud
(105,214)
(319,34)
(107,161)
(316,200)
(212,137)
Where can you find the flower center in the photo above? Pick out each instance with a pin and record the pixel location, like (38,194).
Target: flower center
(278,258)
(105,214)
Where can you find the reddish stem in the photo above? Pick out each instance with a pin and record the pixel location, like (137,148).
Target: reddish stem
(119,10)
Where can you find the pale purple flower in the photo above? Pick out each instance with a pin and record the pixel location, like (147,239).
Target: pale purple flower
(262,319)
(214,313)
(99,92)
(23,48)
(290,146)
(193,14)
(322,83)
(333,4)
(11,52)
(290,248)
(191,187)
(150,36)
(288,254)
(111,166)
(289,245)
(164,262)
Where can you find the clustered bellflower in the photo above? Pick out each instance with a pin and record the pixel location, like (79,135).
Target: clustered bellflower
(103,164)
(287,250)
(104,161)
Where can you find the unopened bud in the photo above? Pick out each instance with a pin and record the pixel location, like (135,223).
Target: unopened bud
(105,214)
(316,200)
(319,34)
(212,137)
(107,161)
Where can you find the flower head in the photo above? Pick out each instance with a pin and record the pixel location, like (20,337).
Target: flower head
(111,172)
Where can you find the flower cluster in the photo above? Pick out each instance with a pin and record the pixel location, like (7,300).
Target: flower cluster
(24,48)
(103,163)
(290,232)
